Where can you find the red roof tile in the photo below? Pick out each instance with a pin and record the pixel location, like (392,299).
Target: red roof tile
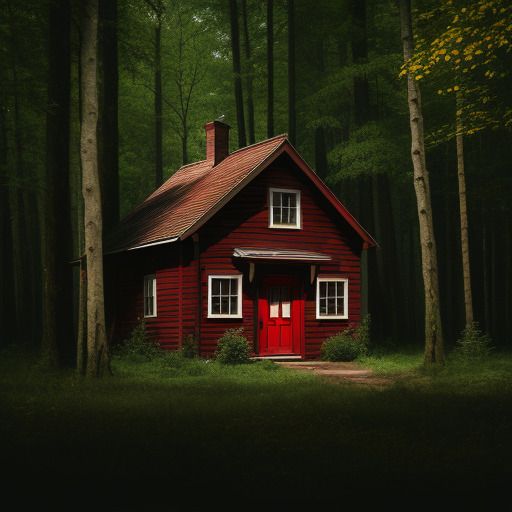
(197,191)
(187,196)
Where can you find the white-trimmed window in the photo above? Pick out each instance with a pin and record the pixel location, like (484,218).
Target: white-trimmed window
(150,295)
(331,298)
(225,296)
(284,210)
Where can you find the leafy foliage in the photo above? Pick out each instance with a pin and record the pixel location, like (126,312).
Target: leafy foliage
(139,344)
(189,347)
(349,344)
(233,347)
(473,343)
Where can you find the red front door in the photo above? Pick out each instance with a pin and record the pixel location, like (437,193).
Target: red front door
(280,316)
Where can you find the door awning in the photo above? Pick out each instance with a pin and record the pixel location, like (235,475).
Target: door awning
(279,254)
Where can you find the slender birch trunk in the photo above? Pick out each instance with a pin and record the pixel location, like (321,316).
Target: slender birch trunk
(434,350)
(464,237)
(97,349)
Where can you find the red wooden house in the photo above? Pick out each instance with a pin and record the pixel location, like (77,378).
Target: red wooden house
(250,239)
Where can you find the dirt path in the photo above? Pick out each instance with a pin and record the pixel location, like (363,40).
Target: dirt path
(350,372)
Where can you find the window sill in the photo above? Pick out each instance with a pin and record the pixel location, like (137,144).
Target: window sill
(225,316)
(283,226)
(332,317)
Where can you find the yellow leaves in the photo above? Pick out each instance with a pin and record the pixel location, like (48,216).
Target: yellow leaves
(418,77)
(458,40)
(468,57)
(455,52)
(440,91)
(447,58)
(442,51)
(402,73)
(456,88)
(479,52)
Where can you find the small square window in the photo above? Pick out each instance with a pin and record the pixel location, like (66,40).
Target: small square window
(225,296)
(331,298)
(284,208)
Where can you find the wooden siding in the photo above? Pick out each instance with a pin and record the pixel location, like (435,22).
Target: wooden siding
(243,222)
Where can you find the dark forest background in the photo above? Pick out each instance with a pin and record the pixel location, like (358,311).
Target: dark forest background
(325,72)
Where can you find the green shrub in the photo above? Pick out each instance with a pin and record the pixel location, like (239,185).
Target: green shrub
(233,347)
(347,345)
(189,347)
(473,343)
(139,344)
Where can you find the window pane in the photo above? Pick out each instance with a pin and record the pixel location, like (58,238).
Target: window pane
(323,306)
(339,303)
(224,305)
(273,300)
(331,306)
(331,289)
(276,213)
(293,216)
(215,286)
(276,198)
(233,305)
(216,305)
(285,303)
(292,200)
(234,286)
(323,289)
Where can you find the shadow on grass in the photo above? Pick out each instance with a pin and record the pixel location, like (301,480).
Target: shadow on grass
(256,430)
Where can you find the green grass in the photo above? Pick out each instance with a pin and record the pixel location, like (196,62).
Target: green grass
(181,427)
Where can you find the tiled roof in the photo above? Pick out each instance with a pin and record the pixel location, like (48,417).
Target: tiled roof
(188,196)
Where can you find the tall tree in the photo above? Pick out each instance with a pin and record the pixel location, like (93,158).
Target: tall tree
(434,349)
(292,119)
(270,68)
(57,239)
(109,167)
(237,78)
(463,211)
(97,348)
(249,73)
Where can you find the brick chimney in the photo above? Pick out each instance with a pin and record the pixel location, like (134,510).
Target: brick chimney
(217,141)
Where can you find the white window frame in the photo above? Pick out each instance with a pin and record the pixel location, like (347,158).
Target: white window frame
(343,280)
(271,223)
(238,277)
(147,278)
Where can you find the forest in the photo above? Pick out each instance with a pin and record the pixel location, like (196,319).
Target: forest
(331,74)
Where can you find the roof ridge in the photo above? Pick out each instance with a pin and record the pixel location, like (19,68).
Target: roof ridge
(280,136)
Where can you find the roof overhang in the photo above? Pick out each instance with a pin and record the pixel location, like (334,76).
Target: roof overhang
(279,254)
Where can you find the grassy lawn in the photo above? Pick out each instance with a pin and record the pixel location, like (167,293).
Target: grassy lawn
(197,428)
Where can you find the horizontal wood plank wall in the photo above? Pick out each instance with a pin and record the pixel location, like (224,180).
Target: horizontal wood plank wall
(243,222)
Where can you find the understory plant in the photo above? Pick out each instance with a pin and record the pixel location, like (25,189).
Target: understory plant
(349,344)
(139,344)
(233,347)
(189,347)
(473,343)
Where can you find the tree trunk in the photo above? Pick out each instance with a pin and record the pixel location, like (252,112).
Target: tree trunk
(237,79)
(81,346)
(434,350)
(360,56)
(97,349)
(464,237)
(57,239)
(159,167)
(250,74)
(292,120)
(7,310)
(109,169)
(270,68)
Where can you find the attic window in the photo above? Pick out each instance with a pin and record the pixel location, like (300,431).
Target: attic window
(284,208)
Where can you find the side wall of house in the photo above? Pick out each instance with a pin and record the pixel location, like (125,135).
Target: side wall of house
(177,284)
(244,221)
